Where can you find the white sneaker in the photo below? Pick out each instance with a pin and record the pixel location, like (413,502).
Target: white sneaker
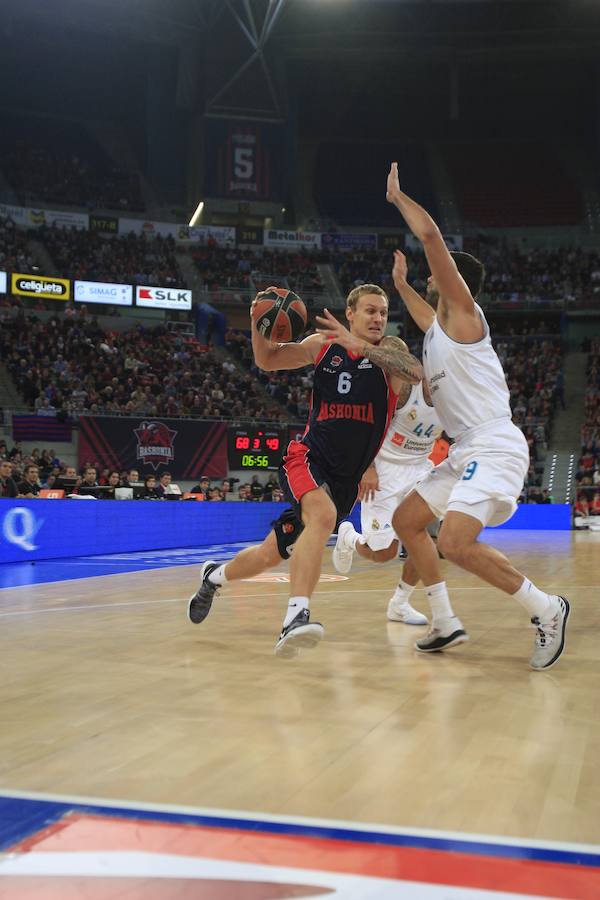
(550,638)
(402,611)
(445,633)
(342,554)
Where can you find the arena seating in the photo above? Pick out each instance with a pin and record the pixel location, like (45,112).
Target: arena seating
(15,255)
(588,466)
(52,162)
(128,258)
(74,367)
(507,183)
(228,271)
(348,187)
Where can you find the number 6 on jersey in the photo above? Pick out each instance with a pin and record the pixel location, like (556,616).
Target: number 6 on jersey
(344,383)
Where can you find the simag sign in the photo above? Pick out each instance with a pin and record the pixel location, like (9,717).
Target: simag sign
(163,298)
(103,292)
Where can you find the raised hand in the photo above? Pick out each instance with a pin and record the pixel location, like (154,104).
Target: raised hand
(400,270)
(393,184)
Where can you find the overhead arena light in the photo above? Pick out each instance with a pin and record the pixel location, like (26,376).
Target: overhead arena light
(196,217)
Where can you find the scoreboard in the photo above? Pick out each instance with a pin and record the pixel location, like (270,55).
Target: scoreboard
(255,448)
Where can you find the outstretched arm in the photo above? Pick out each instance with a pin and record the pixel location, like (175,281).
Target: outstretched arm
(418,308)
(391,355)
(448,280)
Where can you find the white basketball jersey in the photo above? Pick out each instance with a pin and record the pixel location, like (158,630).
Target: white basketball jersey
(412,431)
(466,381)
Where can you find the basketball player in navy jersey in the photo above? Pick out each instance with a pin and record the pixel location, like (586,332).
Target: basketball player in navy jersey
(480,481)
(357,377)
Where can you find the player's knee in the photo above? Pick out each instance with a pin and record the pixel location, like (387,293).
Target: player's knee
(452,547)
(322,520)
(403,523)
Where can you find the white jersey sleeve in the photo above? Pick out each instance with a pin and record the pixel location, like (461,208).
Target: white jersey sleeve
(466,381)
(413,430)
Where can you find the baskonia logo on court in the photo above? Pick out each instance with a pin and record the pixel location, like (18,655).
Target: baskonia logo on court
(155,445)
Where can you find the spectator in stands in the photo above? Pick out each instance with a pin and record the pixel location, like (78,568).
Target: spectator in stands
(113,482)
(244,492)
(150,492)
(88,480)
(202,487)
(225,489)
(45,407)
(164,484)
(256,489)
(8,486)
(214,494)
(29,487)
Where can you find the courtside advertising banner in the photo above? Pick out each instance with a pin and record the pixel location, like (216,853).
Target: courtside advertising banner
(349,241)
(17,214)
(281,238)
(201,234)
(2,282)
(163,298)
(101,292)
(44,286)
(36,218)
(152,229)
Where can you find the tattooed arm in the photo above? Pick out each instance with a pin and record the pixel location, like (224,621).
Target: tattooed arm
(393,356)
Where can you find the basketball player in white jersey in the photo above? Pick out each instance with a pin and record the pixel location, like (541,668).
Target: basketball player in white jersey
(480,482)
(402,461)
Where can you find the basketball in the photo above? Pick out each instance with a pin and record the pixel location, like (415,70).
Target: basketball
(280,315)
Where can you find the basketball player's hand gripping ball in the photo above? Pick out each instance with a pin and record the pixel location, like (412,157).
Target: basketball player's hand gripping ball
(279,315)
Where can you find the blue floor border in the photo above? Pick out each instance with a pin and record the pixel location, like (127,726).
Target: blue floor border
(22,818)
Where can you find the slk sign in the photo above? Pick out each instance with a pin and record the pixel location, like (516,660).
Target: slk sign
(163,298)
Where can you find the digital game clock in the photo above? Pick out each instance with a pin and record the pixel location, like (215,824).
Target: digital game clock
(254,448)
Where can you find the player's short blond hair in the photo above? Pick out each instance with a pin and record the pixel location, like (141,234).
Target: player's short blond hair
(358,292)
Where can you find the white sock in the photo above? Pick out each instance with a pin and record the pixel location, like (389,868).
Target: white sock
(404,592)
(439,601)
(350,539)
(295,604)
(536,602)
(218,576)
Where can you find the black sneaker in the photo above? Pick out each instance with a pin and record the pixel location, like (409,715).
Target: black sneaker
(200,604)
(448,633)
(299,634)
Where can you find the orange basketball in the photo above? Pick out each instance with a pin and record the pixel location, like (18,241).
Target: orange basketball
(280,315)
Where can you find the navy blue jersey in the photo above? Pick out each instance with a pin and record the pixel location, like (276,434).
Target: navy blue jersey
(351,407)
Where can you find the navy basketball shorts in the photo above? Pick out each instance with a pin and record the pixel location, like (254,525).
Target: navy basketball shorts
(301,471)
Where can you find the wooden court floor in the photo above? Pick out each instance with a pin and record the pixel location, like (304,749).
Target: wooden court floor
(107,691)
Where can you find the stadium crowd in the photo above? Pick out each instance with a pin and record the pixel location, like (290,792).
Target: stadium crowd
(70,366)
(54,175)
(89,256)
(238,271)
(588,466)
(514,271)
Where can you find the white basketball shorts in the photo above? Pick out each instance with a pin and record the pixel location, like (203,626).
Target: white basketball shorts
(482,476)
(396,481)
